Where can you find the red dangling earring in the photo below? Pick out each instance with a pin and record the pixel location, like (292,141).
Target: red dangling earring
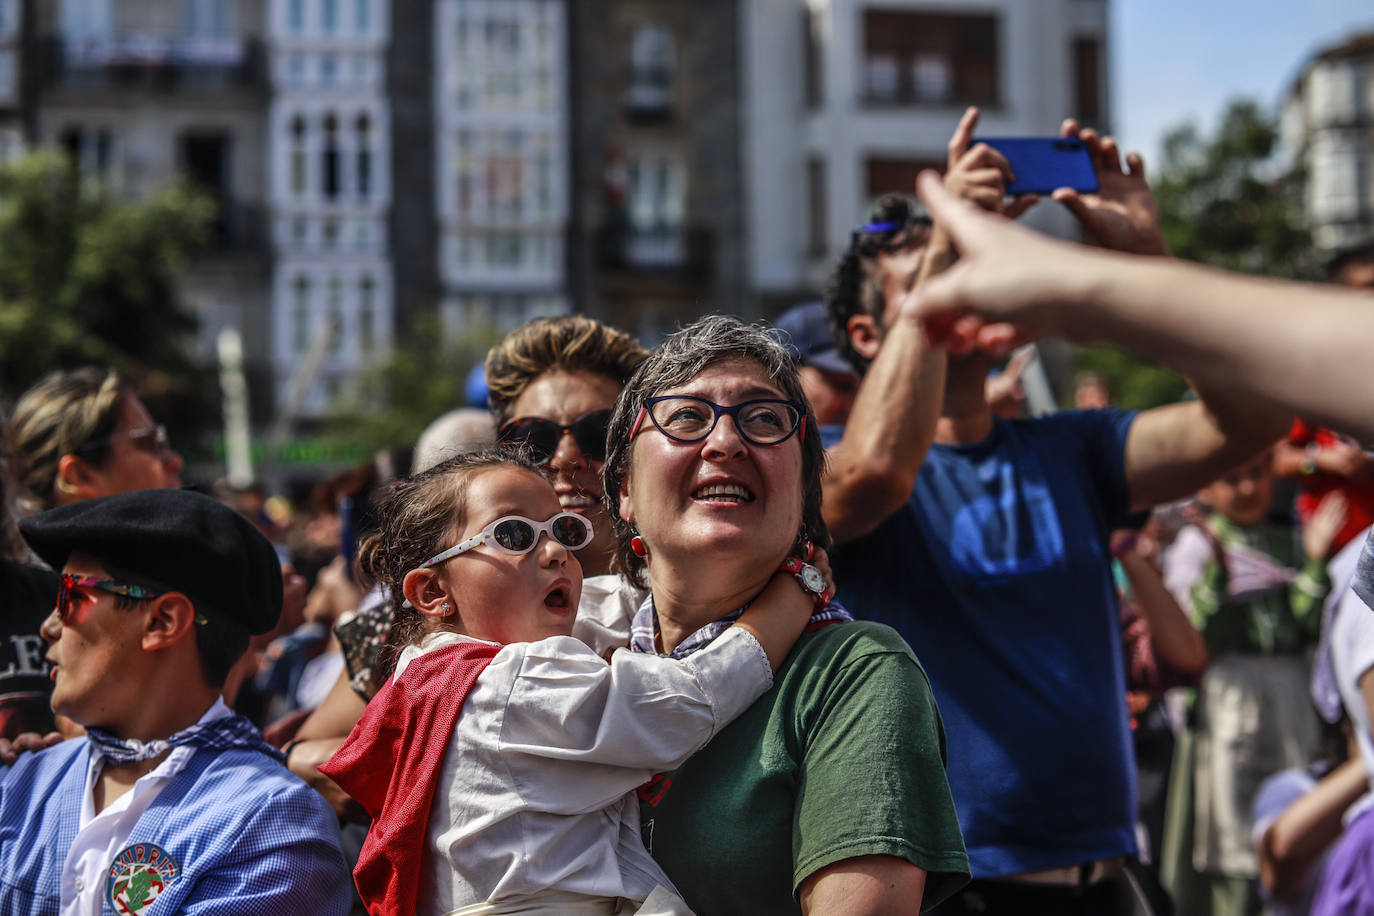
(637,545)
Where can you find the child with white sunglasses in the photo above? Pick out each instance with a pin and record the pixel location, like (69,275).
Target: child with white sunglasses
(499,762)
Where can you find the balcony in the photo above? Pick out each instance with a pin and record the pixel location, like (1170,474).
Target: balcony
(154,63)
(684,253)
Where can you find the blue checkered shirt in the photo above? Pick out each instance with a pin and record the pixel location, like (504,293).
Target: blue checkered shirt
(248,836)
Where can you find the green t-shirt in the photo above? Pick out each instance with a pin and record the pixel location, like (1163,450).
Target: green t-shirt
(843,757)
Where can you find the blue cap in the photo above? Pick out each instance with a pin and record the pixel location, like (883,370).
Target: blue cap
(475,388)
(805,331)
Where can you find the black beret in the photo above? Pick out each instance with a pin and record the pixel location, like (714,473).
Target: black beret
(182,541)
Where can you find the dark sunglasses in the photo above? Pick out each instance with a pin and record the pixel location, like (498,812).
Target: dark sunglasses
(540,436)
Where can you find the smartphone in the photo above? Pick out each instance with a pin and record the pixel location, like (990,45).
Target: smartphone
(1042,164)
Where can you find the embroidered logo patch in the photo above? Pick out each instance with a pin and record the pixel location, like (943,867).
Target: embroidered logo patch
(137,876)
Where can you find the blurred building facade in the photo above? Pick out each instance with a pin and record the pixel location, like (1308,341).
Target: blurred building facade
(500,124)
(659,189)
(13,85)
(329,159)
(140,92)
(847,99)
(1328,126)
(644,161)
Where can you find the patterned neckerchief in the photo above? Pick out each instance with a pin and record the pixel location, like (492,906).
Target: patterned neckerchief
(224,733)
(644,629)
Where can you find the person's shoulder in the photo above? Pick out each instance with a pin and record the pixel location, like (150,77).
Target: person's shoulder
(853,639)
(1075,422)
(251,781)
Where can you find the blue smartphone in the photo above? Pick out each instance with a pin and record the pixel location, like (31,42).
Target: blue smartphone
(1042,164)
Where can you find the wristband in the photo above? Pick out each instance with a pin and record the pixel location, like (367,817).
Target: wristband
(288,747)
(811,579)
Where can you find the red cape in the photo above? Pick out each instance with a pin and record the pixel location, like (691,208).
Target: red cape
(390,764)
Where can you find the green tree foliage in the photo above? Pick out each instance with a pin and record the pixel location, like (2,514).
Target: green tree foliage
(1222,201)
(423,377)
(89,279)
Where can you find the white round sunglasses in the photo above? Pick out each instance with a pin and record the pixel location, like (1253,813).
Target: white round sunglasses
(515,534)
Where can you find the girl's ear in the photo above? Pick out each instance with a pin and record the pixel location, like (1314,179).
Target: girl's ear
(426,593)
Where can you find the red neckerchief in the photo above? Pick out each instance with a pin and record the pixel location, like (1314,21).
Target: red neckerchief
(390,764)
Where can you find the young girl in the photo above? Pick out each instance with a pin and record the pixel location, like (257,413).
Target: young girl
(524,802)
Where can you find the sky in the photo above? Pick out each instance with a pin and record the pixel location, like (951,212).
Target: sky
(1176,60)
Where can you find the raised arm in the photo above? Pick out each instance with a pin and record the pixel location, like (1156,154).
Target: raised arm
(1300,347)
(870,471)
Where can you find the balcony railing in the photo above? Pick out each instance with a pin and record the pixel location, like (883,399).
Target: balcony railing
(684,250)
(154,62)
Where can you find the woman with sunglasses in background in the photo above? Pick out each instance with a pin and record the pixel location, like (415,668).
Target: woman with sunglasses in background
(84,433)
(499,763)
(828,795)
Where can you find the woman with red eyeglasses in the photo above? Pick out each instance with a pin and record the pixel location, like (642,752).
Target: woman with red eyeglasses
(84,433)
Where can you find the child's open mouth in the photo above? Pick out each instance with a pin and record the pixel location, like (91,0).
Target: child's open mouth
(557,598)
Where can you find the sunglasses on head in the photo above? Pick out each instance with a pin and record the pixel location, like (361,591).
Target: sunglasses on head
(515,534)
(540,436)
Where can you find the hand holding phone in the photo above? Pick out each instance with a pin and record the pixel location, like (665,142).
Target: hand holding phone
(1045,164)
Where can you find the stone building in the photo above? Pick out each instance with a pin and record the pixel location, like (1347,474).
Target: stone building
(141,92)
(844,100)
(1328,126)
(658,192)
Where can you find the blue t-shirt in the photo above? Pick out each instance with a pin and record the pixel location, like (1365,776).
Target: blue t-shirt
(997,572)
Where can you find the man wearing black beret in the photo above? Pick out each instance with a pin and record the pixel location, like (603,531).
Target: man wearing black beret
(171,804)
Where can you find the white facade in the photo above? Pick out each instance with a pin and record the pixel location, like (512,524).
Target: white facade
(501,164)
(329,167)
(875,111)
(1328,125)
(11,137)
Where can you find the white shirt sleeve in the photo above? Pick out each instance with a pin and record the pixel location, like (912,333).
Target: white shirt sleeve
(1184,563)
(618,724)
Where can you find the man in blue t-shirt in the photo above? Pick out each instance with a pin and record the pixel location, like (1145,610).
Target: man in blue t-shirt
(985,543)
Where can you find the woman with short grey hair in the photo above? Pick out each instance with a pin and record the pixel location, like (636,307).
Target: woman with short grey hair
(829,794)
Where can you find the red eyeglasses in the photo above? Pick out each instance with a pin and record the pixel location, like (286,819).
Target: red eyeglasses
(69,582)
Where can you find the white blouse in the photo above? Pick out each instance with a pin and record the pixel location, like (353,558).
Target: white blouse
(536,788)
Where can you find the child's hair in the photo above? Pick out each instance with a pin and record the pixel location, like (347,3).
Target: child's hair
(417,519)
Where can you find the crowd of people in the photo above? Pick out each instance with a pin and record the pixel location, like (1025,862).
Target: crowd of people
(812,618)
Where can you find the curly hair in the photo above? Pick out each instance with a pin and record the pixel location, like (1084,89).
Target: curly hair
(69,412)
(855,286)
(417,520)
(678,360)
(572,343)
